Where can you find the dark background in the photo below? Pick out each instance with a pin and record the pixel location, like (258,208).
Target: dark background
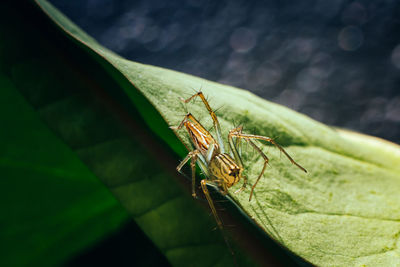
(336,61)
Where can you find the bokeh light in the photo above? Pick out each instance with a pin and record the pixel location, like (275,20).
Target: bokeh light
(350,38)
(243,40)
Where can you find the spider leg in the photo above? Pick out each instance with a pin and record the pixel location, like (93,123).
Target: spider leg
(233,148)
(268,139)
(185,119)
(237,132)
(204,183)
(233,145)
(263,169)
(217,127)
(193,155)
(238,144)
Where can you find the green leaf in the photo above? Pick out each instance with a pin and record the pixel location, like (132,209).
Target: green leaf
(52,205)
(345,211)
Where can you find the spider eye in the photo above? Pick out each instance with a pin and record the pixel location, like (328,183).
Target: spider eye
(234,172)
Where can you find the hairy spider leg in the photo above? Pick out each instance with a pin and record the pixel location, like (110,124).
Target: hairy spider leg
(217,126)
(268,139)
(237,133)
(266,160)
(233,146)
(193,155)
(234,150)
(204,183)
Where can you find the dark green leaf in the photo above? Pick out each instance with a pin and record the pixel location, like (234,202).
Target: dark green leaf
(52,205)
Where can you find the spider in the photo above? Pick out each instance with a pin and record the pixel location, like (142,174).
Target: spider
(221,169)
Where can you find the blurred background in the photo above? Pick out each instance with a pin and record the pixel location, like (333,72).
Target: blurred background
(337,61)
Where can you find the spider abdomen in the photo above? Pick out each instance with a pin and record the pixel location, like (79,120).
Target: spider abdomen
(200,137)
